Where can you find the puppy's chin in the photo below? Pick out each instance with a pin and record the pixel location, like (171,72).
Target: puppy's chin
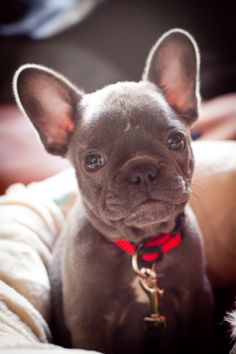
(153,214)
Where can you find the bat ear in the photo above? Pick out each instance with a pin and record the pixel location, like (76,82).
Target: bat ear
(50,102)
(173,66)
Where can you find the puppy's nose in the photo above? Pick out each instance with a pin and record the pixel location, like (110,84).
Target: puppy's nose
(143,177)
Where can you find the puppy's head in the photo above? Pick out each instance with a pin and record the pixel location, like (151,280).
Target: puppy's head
(129,142)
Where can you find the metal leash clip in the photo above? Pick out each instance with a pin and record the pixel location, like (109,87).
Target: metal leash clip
(149,281)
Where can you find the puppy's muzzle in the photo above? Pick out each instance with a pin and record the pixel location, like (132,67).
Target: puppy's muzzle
(140,172)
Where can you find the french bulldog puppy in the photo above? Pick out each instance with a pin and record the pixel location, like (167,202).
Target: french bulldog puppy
(130,146)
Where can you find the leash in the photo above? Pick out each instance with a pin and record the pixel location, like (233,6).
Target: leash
(144,257)
(154,323)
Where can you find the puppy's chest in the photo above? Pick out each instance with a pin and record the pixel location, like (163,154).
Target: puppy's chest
(136,302)
(135,309)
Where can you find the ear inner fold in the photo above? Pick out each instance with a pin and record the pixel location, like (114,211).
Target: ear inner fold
(51,103)
(173,66)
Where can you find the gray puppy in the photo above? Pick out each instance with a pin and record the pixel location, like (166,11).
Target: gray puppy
(130,146)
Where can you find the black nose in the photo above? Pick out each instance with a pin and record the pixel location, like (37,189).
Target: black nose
(143,177)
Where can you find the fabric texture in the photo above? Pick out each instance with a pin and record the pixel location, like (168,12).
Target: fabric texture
(31,219)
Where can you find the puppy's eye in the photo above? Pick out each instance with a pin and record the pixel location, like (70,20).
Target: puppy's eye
(94,161)
(176,141)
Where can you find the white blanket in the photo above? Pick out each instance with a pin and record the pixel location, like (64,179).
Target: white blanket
(30,222)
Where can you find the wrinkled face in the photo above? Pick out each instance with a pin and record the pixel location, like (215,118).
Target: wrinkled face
(132,157)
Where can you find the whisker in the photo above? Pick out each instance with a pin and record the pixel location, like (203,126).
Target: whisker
(199,192)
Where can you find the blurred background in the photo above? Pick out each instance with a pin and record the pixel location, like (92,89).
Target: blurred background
(94,43)
(113,39)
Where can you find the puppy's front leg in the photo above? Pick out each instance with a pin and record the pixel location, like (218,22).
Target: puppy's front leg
(89,290)
(84,315)
(95,341)
(198,329)
(203,318)
(197,308)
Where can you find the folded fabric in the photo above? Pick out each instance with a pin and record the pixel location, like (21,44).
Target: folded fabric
(30,221)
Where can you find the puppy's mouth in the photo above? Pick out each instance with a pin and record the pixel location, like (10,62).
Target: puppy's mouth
(150,201)
(151,211)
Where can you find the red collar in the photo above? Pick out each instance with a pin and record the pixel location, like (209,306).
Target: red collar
(154,248)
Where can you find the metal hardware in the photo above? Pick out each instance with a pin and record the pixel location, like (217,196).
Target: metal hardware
(149,281)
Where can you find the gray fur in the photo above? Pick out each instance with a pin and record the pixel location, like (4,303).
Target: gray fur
(139,192)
